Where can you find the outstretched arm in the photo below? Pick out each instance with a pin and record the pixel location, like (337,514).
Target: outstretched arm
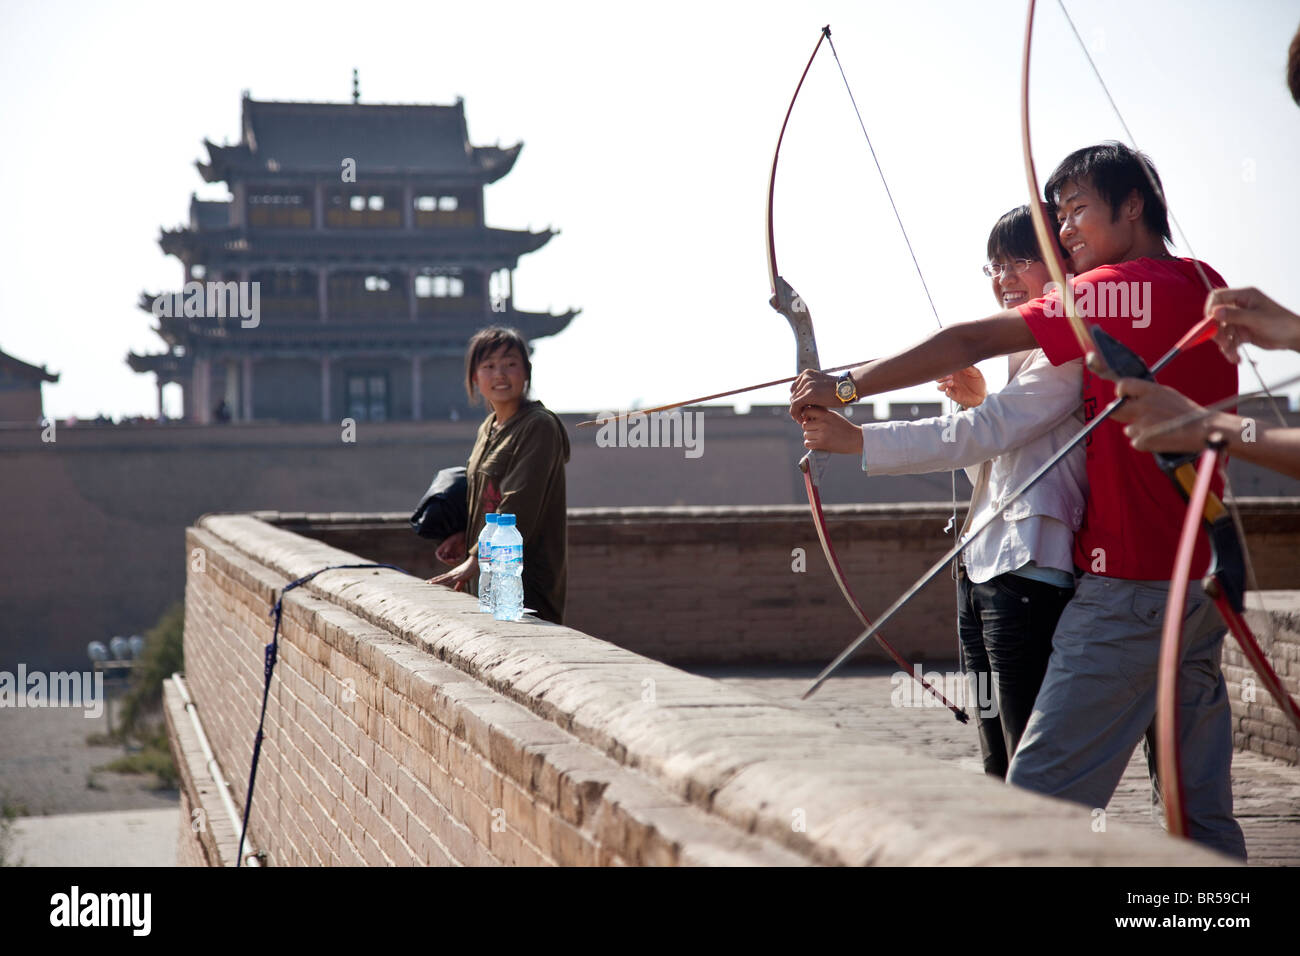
(946,351)
(1036,400)
(1152,408)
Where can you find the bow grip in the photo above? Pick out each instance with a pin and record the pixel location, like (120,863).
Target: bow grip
(788,302)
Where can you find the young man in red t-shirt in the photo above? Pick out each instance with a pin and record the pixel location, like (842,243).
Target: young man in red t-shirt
(1098,697)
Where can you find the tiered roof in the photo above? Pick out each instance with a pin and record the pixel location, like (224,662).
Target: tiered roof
(284,338)
(238,246)
(386,140)
(15,368)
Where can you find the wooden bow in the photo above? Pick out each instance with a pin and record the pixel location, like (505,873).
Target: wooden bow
(786,301)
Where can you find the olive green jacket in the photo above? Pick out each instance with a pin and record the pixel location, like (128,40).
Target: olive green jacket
(518,469)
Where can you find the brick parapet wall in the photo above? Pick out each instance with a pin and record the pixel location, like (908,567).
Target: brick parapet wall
(378,754)
(710,585)
(403,725)
(1258,722)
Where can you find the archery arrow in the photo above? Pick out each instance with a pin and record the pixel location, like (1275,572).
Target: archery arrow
(706,398)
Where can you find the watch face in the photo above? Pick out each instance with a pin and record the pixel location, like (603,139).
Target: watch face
(845,391)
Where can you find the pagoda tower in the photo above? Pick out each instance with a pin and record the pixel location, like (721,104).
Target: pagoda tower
(345,273)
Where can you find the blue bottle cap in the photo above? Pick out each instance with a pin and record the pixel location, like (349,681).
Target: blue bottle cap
(506,520)
(491,517)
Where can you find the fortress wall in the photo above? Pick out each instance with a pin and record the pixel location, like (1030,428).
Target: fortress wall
(95,525)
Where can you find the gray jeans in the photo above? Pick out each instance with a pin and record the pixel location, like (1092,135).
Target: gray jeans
(1099,697)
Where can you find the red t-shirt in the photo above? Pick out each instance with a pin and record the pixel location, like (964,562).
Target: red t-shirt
(1134,514)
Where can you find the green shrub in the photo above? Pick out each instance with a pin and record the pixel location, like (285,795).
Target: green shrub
(155,758)
(140,717)
(8,813)
(164,655)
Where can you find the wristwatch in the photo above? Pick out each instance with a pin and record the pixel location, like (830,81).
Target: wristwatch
(845,390)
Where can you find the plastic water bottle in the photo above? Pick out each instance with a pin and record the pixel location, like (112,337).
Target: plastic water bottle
(507,570)
(485,563)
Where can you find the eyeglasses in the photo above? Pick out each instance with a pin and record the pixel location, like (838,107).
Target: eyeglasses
(995,270)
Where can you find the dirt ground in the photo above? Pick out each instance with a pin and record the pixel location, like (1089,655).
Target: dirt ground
(47,767)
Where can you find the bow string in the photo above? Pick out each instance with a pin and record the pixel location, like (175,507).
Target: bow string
(786,301)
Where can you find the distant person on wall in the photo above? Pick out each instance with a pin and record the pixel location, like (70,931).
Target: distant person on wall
(1015,579)
(516,467)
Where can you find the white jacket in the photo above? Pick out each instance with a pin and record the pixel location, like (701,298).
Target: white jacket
(1000,443)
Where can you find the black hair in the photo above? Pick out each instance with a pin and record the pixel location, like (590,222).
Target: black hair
(1013,236)
(1114,171)
(1293,68)
(487,341)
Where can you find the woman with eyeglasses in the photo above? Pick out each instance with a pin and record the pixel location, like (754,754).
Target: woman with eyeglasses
(1015,579)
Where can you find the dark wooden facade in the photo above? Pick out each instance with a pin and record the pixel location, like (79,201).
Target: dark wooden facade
(355,235)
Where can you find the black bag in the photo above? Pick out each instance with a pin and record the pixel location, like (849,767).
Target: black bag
(444,509)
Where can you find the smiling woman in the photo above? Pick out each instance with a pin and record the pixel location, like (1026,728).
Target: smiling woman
(516,468)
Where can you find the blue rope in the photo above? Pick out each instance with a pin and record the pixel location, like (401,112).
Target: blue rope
(271,653)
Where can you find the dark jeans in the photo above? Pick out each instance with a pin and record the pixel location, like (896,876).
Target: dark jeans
(1005,626)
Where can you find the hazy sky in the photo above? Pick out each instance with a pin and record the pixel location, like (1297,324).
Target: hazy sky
(649,135)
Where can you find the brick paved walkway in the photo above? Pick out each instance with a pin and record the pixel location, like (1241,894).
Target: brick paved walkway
(1266,792)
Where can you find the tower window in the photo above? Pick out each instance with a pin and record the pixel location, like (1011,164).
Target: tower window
(439,287)
(368,397)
